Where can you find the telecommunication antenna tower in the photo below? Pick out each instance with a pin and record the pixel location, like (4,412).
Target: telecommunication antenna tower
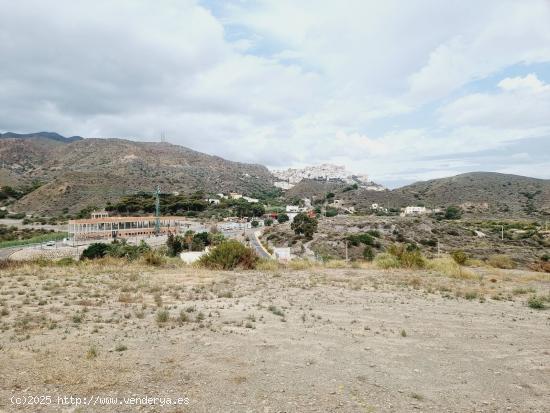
(157,211)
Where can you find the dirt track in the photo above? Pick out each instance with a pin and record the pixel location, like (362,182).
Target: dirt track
(320,340)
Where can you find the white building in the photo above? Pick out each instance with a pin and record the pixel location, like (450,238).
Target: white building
(190,257)
(251,200)
(234,195)
(415,210)
(213,201)
(295,209)
(282,254)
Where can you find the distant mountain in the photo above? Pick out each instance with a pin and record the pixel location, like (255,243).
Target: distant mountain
(77,173)
(44,135)
(495,192)
(88,172)
(485,193)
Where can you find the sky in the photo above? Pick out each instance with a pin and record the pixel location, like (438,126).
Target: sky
(399,90)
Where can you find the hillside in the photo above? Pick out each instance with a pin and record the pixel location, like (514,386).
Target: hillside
(86,172)
(476,192)
(45,135)
(490,191)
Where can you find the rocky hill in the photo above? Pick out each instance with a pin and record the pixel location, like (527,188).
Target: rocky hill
(81,172)
(478,191)
(46,135)
(485,193)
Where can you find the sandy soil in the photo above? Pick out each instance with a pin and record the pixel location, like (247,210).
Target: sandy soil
(316,340)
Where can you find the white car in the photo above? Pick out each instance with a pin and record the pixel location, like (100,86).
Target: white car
(50,244)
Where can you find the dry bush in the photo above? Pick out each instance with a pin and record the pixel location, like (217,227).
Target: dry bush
(301,264)
(541,266)
(449,268)
(501,261)
(230,255)
(153,258)
(460,257)
(386,261)
(336,264)
(268,265)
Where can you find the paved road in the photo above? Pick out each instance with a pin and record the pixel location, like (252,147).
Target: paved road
(6,252)
(255,243)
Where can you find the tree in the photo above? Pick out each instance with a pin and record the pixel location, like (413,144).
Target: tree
(174,245)
(453,212)
(95,250)
(282,218)
(268,222)
(254,223)
(368,253)
(304,224)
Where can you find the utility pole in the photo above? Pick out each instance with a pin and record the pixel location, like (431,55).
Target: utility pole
(438,249)
(502,232)
(157,211)
(347,251)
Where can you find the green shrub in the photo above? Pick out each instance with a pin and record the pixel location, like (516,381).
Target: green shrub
(304,224)
(95,250)
(412,259)
(162,316)
(230,255)
(365,238)
(501,261)
(536,302)
(153,258)
(282,218)
(459,256)
(121,249)
(375,233)
(368,253)
(386,261)
(545,257)
(65,262)
(453,212)
(174,244)
(408,256)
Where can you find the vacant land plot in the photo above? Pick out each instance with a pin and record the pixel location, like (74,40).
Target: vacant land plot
(314,340)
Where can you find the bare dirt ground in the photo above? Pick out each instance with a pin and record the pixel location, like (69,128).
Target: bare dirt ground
(311,340)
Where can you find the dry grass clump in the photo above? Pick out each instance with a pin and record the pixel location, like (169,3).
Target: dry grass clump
(336,264)
(300,264)
(401,256)
(501,261)
(449,268)
(386,261)
(268,265)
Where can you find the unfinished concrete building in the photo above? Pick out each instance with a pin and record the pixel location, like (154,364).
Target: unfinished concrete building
(105,227)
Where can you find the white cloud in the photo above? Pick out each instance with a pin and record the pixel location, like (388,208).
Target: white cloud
(521,105)
(279,82)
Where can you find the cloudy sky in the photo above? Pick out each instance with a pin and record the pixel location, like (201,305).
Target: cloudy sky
(401,90)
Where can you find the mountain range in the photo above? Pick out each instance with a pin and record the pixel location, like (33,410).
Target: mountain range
(76,173)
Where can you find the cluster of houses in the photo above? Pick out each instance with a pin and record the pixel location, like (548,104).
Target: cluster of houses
(231,195)
(418,210)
